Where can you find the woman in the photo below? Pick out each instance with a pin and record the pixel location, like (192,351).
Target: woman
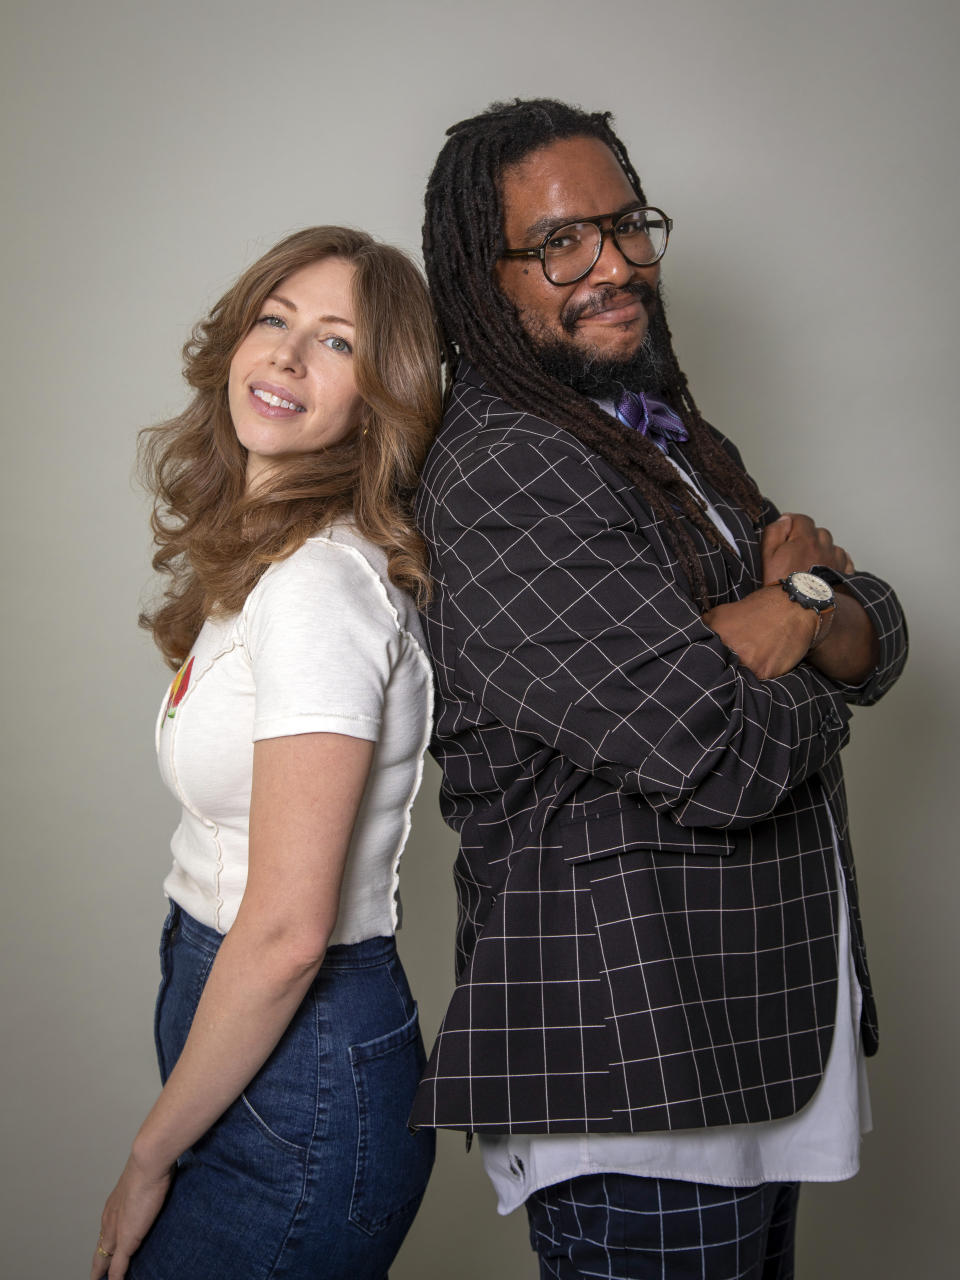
(293,736)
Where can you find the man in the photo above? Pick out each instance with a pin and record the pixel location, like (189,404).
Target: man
(662,996)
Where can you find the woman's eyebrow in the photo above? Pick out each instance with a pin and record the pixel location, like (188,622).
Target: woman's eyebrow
(285,302)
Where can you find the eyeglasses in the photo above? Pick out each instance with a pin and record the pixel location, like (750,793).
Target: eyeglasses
(570,252)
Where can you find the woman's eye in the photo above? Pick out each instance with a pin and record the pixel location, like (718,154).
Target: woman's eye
(336,343)
(275,322)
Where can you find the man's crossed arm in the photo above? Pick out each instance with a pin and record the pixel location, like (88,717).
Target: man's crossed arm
(770,633)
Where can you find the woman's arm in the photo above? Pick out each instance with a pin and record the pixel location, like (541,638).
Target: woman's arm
(304,802)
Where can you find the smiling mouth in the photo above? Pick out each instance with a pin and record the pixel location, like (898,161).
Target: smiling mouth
(615,315)
(620,311)
(277,402)
(620,307)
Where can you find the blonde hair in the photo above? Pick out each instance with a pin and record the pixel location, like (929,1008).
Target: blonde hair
(213,539)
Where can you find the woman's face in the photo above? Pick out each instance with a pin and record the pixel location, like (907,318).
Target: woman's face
(291,387)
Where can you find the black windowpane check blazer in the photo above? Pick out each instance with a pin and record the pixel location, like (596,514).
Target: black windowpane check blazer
(646,885)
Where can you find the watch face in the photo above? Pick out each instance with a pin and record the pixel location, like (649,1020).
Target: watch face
(810,585)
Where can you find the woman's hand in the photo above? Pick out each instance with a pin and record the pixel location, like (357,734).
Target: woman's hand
(128,1215)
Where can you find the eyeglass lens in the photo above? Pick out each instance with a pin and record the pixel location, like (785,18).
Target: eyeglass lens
(572,250)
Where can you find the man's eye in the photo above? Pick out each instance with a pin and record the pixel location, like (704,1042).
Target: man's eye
(638,226)
(336,343)
(564,239)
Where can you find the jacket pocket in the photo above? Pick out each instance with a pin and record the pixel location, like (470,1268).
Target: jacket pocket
(609,832)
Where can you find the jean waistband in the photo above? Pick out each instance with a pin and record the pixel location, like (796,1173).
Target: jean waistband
(354,955)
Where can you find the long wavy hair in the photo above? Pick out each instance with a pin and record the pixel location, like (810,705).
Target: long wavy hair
(213,539)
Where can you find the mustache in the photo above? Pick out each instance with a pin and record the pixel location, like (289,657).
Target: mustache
(599,299)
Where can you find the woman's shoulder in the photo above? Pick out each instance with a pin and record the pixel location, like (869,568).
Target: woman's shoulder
(348,539)
(339,567)
(344,538)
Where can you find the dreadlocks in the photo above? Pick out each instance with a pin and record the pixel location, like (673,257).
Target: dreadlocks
(462,242)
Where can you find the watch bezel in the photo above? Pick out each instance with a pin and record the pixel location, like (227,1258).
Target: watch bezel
(800,586)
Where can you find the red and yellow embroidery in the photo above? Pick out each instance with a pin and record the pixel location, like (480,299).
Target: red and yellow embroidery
(179,687)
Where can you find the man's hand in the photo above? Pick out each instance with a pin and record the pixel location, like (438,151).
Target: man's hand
(770,633)
(850,650)
(795,543)
(767,630)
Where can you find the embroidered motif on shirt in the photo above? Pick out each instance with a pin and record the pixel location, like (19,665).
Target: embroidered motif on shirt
(179,687)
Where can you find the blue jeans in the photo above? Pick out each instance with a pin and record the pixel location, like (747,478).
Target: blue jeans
(312,1172)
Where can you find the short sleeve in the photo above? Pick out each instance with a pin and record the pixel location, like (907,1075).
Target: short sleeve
(322,640)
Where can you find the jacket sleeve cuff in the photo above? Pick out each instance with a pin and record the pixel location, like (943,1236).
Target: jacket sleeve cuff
(883,609)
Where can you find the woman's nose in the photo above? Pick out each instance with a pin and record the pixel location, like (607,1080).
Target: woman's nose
(287,353)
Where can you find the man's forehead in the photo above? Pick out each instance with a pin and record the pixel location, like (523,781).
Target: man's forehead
(563,180)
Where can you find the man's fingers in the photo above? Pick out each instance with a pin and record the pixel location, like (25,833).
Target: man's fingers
(775,534)
(801,526)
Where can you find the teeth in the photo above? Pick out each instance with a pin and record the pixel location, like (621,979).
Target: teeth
(276,402)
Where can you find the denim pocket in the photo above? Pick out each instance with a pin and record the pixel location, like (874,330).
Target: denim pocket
(263,1136)
(286,1099)
(393,1164)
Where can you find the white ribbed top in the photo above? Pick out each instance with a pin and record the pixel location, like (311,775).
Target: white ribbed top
(324,643)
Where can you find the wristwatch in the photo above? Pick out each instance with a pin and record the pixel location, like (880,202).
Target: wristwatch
(812,592)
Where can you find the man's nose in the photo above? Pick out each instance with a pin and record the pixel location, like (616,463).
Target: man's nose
(613,268)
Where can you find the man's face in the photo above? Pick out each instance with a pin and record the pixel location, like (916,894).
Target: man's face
(593,333)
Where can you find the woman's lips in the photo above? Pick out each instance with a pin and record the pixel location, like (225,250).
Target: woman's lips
(268,410)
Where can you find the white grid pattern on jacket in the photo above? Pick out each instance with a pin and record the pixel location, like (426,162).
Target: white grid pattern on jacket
(647,919)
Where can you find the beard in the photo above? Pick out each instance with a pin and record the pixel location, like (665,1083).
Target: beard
(603,377)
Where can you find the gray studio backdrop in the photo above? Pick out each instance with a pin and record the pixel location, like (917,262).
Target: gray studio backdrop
(807,154)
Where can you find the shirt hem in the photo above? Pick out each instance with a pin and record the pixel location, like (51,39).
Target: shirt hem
(839,1176)
(365,727)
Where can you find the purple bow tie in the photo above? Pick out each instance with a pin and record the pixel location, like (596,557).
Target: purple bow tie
(651,418)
